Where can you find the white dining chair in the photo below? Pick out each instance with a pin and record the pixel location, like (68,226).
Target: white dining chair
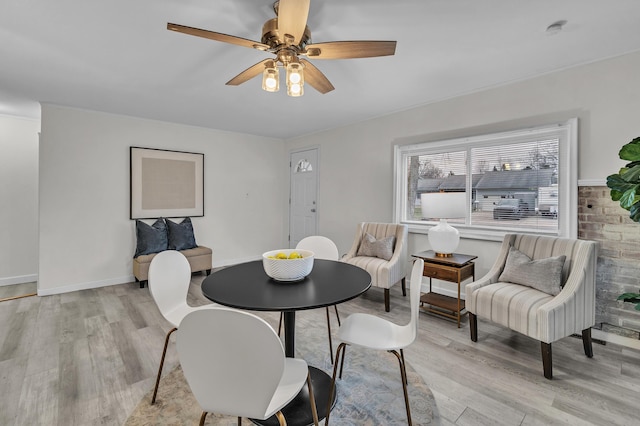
(322,248)
(372,332)
(169,279)
(235,365)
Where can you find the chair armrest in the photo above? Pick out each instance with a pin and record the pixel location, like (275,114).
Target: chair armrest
(495,271)
(573,309)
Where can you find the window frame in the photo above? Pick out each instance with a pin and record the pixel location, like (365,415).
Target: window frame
(567,133)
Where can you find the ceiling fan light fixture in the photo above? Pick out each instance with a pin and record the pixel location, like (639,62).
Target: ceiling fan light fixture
(295,78)
(270,77)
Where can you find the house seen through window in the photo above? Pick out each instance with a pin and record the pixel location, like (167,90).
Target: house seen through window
(521,181)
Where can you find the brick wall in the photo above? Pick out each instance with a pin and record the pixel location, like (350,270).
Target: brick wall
(603,220)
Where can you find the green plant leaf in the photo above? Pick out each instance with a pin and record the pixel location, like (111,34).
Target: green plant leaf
(631,151)
(631,174)
(634,212)
(637,308)
(629,198)
(616,195)
(617,183)
(625,296)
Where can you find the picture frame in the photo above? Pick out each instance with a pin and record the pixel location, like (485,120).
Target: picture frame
(165,183)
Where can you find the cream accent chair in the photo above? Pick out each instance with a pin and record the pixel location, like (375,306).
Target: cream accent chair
(384,273)
(531,312)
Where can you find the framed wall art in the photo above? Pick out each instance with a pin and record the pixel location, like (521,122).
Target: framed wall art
(166,183)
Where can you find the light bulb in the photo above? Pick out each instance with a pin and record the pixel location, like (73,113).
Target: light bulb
(295,88)
(294,78)
(270,77)
(271,82)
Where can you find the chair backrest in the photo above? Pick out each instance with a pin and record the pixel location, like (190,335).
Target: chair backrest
(322,247)
(540,247)
(169,279)
(414,295)
(232,360)
(382,230)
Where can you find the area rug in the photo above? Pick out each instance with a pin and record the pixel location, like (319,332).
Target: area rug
(370,392)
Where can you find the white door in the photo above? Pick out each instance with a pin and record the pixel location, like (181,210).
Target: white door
(304,193)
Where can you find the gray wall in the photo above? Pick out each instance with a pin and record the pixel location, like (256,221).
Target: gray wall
(18,200)
(358,158)
(86,237)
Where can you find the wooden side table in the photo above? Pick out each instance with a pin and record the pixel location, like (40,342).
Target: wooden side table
(455,269)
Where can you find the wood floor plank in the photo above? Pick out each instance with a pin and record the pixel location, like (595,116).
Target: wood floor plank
(88,357)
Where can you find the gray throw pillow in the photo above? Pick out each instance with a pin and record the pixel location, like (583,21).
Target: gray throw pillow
(150,239)
(542,274)
(382,248)
(181,235)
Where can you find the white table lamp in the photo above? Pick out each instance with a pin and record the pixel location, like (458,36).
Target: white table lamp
(443,237)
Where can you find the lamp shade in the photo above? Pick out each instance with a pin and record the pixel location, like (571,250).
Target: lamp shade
(443,237)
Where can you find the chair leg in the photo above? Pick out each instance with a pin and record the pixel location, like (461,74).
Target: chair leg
(404,287)
(387,307)
(312,400)
(333,379)
(586,342)
(403,373)
(280,323)
(329,331)
(405,365)
(281,419)
(546,360)
(344,351)
(337,314)
(473,327)
(239,421)
(164,352)
(202,417)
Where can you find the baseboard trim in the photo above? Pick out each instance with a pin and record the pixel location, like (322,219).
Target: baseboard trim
(21,279)
(616,339)
(85,286)
(123,280)
(446,288)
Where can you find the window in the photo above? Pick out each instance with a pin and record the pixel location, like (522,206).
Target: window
(518,181)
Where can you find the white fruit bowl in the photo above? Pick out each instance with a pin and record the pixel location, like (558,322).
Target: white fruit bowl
(288,269)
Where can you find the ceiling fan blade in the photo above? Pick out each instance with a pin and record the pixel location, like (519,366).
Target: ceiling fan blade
(248,74)
(212,35)
(316,78)
(292,18)
(350,49)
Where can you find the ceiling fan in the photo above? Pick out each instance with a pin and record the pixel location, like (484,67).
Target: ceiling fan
(288,38)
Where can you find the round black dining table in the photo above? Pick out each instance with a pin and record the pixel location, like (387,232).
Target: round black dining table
(246,286)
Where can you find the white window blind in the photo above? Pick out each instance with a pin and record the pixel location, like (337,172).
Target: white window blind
(518,181)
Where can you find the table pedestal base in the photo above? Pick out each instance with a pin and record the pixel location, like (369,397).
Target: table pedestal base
(298,412)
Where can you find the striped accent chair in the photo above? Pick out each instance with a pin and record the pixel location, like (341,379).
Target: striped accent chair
(384,273)
(531,312)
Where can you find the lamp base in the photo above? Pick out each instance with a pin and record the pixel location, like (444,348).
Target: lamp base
(444,254)
(444,239)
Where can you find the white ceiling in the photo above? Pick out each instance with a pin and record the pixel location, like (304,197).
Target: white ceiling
(117,56)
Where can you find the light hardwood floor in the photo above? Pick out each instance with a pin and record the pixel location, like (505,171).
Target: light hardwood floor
(88,357)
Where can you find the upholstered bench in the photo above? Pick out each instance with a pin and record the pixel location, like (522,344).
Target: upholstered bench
(199,259)
(167,235)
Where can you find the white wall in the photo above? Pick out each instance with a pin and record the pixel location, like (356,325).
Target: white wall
(86,237)
(18,200)
(358,158)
